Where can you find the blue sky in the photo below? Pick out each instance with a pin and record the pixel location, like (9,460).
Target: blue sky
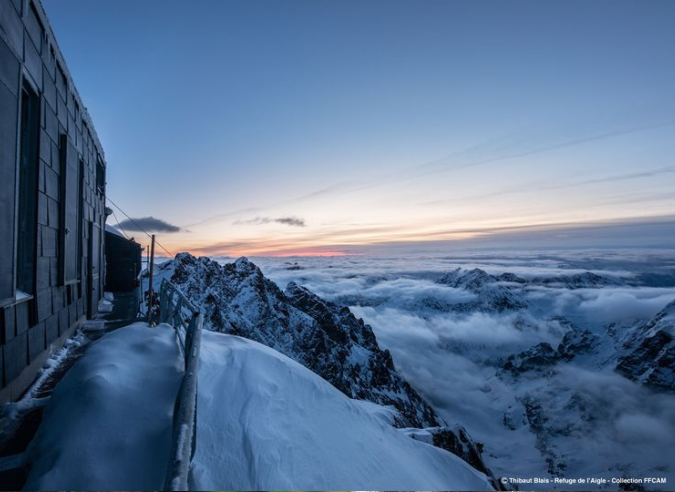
(376,122)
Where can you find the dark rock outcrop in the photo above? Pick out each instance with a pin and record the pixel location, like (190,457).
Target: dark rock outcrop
(538,357)
(543,356)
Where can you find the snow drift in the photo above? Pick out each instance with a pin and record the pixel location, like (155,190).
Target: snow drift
(264,423)
(268,423)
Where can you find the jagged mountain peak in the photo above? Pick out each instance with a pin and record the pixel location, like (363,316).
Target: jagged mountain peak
(294,289)
(244,265)
(511,277)
(582,280)
(328,339)
(467,279)
(491,295)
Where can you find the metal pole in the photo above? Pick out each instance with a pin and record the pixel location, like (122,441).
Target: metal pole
(152,271)
(147,264)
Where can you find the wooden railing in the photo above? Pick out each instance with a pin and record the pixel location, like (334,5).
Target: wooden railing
(177,310)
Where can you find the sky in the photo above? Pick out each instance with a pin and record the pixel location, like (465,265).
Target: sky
(331,127)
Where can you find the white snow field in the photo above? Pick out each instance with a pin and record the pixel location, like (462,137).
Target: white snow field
(264,423)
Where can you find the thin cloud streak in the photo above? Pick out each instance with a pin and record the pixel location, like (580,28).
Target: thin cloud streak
(289,221)
(537,187)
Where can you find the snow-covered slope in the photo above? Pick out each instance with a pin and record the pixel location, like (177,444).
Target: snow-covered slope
(268,423)
(264,423)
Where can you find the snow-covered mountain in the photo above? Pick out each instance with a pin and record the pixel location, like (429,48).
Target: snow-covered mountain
(539,357)
(648,356)
(491,294)
(329,340)
(569,386)
(326,338)
(584,280)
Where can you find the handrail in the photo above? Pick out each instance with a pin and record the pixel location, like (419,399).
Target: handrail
(176,309)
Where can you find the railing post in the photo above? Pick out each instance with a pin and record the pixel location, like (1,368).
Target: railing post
(184,438)
(177,315)
(163,302)
(150,286)
(189,337)
(185,414)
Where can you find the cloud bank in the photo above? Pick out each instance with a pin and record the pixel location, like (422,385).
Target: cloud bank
(148,224)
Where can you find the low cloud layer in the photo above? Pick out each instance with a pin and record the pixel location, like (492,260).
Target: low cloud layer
(148,224)
(289,221)
(600,418)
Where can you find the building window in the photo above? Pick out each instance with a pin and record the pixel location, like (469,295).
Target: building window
(71,205)
(80,220)
(61,81)
(35,29)
(28,192)
(100,176)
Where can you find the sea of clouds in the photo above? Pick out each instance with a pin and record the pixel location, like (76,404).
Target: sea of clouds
(599,422)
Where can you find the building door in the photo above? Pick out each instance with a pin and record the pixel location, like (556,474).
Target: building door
(94,274)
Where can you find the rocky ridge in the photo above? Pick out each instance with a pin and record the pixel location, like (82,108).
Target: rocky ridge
(238,299)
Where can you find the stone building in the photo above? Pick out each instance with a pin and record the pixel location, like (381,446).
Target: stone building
(52,198)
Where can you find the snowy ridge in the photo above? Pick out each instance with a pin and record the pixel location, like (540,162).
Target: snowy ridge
(324,337)
(286,428)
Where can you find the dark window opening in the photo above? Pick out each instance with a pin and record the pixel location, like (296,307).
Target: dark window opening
(70,295)
(35,28)
(85,133)
(61,81)
(77,112)
(100,176)
(28,192)
(70,212)
(80,220)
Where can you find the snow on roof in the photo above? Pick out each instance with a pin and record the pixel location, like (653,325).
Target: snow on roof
(113,230)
